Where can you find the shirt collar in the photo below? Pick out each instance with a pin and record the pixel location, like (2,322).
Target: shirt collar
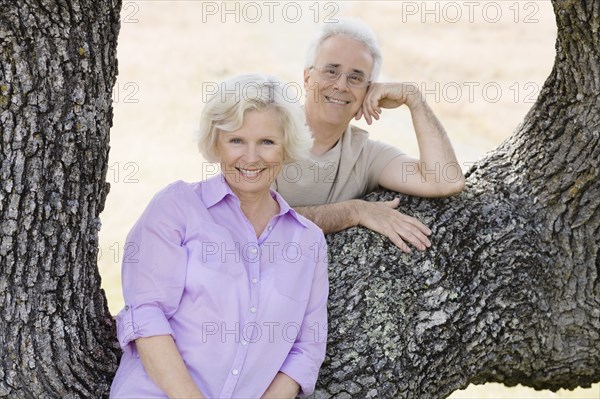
(284,208)
(215,189)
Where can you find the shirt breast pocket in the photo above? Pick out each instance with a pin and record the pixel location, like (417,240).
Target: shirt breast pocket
(294,279)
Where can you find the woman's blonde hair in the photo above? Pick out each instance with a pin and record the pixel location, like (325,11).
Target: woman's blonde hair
(225,109)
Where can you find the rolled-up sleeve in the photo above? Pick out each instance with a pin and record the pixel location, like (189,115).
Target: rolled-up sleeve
(154,270)
(308,352)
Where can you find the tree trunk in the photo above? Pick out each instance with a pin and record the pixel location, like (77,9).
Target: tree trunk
(57,71)
(510,290)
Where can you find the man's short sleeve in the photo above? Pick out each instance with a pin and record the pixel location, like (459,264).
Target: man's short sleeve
(376,157)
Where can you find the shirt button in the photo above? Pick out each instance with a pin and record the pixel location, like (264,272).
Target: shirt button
(253,309)
(126,307)
(253,250)
(270,228)
(244,342)
(235,372)
(254,280)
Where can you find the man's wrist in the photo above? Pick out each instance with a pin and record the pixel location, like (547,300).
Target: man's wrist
(414,97)
(357,211)
(416,102)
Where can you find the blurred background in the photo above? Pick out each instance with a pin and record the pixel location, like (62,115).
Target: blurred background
(481,65)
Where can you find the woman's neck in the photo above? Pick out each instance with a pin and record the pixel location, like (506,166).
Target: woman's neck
(258,208)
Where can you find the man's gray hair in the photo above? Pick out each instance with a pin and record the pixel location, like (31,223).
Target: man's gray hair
(353,28)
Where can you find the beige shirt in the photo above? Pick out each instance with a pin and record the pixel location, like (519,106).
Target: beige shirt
(349,170)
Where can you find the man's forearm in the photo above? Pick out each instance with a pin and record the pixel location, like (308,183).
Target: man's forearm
(435,148)
(434,143)
(332,218)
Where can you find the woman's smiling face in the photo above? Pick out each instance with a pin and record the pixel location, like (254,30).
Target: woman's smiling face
(252,156)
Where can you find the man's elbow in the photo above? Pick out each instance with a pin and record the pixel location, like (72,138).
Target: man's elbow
(450,188)
(458,186)
(455,187)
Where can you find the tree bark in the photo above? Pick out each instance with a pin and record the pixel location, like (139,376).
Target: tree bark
(57,71)
(509,291)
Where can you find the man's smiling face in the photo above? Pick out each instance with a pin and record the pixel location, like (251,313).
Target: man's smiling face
(334,103)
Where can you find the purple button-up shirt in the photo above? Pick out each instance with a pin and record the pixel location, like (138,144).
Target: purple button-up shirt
(240,309)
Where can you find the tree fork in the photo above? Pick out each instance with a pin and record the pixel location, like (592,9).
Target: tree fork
(508,293)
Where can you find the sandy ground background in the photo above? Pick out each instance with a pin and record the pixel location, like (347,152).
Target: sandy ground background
(480,63)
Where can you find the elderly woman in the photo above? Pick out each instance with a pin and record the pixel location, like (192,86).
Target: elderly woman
(225,285)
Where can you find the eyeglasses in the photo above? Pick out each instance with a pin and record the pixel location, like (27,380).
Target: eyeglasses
(333,73)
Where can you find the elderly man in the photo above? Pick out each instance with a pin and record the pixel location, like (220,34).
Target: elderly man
(339,78)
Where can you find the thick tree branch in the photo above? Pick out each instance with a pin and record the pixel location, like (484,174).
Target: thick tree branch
(509,291)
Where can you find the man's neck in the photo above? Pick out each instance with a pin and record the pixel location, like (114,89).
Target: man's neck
(325,138)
